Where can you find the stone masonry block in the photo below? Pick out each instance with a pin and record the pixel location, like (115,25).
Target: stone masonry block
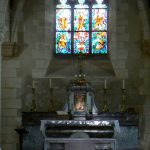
(10,138)
(121,23)
(38,73)
(121,45)
(9,112)
(11,103)
(9,72)
(38,54)
(147,63)
(124,6)
(12,63)
(9,93)
(13,83)
(8,147)
(3,121)
(41,63)
(9,121)
(122,53)
(121,73)
(8,130)
(124,38)
(119,64)
(145,73)
(120,29)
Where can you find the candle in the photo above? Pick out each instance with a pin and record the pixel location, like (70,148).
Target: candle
(105,84)
(123,84)
(33,84)
(50,83)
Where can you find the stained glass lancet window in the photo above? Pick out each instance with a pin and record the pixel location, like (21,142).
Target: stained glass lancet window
(81,26)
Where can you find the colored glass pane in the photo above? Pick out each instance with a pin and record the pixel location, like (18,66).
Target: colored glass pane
(100,4)
(63,43)
(99,19)
(99,43)
(81,42)
(81,4)
(63,4)
(81,20)
(63,20)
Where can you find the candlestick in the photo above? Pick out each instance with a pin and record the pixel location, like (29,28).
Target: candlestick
(105,84)
(50,83)
(123,84)
(33,84)
(33,106)
(105,105)
(123,103)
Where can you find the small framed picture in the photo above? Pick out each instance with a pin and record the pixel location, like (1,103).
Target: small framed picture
(80,102)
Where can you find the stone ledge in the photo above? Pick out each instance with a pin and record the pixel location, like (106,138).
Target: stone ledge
(34,118)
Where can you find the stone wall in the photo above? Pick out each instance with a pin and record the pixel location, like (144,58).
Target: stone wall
(11,102)
(35,36)
(11,95)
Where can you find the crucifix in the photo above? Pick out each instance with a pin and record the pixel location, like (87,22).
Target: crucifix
(80,71)
(80,66)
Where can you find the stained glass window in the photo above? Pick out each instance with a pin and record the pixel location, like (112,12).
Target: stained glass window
(81,42)
(81,27)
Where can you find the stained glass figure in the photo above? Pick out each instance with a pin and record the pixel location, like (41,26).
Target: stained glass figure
(63,43)
(81,42)
(99,19)
(99,43)
(63,20)
(81,20)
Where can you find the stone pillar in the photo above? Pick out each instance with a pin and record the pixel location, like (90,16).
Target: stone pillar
(3,5)
(2,33)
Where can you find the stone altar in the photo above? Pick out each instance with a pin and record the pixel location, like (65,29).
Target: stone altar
(78,134)
(126,140)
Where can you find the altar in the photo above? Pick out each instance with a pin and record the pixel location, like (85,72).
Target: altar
(125,139)
(78,134)
(82,126)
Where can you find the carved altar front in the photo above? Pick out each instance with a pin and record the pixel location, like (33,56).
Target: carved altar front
(127,139)
(68,134)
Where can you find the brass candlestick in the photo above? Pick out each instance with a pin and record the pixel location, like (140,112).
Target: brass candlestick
(33,106)
(105,106)
(51,106)
(123,103)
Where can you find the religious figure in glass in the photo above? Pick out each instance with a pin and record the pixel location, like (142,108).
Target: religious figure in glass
(63,42)
(99,42)
(81,20)
(81,42)
(99,19)
(63,20)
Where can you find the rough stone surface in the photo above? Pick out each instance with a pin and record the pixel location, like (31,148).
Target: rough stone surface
(34,32)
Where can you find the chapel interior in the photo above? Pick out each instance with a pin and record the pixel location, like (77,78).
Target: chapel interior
(56,100)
